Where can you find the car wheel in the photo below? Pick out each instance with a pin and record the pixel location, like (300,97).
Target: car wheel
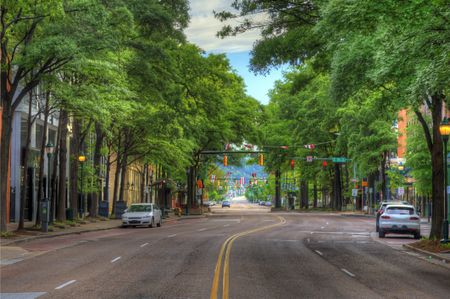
(417,235)
(160,222)
(152,224)
(381,233)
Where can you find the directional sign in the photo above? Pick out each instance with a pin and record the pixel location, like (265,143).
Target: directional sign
(401,191)
(309,158)
(339,159)
(354,192)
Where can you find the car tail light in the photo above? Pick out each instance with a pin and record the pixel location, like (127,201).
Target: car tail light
(414,218)
(385,217)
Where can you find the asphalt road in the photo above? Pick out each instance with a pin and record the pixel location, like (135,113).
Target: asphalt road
(242,252)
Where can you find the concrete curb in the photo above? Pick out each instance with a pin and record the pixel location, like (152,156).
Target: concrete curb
(358,215)
(432,254)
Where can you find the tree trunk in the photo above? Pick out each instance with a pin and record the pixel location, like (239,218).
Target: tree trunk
(100,136)
(74,164)
(24,193)
(383,177)
(437,188)
(304,203)
(41,186)
(123,177)
(63,121)
(337,187)
(107,175)
(4,162)
(315,194)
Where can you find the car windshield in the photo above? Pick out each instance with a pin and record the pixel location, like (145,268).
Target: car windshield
(400,211)
(140,208)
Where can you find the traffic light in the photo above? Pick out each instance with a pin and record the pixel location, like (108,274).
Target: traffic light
(292,164)
(225,161)
(261,159)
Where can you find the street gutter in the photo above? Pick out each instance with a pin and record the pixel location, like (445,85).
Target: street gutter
(6,242)
(437,256)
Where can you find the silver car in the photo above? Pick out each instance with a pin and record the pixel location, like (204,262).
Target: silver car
(399,219)
(147,214)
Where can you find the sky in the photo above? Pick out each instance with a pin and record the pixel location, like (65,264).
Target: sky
(202,32)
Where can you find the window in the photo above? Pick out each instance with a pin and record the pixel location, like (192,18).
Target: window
(39,135)
(400,211)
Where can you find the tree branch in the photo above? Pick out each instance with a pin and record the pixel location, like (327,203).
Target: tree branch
(426,129)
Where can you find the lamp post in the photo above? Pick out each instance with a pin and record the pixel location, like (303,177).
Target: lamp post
(444,129)
(49,149)
(82,159)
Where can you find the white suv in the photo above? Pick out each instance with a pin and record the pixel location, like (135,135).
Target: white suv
(399,219)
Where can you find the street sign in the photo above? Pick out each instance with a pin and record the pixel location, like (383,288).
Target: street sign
(309,158)
(371,190)
(339,159)
(354,192)
(401,191)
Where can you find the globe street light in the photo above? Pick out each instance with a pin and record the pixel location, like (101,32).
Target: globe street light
(444,129)
(49,150)
(81,159)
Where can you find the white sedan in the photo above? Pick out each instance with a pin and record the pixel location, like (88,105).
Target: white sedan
(399,219)
(142,214)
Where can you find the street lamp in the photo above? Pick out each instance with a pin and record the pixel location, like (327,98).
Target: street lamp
(49,150)
(82,159)
(444,129)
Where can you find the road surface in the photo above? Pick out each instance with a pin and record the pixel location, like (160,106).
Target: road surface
(241,252)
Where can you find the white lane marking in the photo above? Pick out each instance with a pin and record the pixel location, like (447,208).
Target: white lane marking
(202,229)
(116,259)
(226,225)
(312,233)
(65,284)
(327,223)
(322,227)
(271,220)
(348,272)
(145,244)
(171,236)
(309,240)
(217,220)
(318,252)
(29,295)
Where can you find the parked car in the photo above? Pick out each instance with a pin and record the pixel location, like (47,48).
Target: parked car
(226,203)
(262,203)
(268,204)
(142,214)
(399,219)
(383,205)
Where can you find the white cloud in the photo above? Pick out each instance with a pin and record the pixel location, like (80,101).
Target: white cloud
(203,28)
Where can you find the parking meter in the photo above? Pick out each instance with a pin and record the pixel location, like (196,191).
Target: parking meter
(45,211)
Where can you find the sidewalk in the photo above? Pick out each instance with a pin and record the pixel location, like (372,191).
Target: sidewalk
(89,226)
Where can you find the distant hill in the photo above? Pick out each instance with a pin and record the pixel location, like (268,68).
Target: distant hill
(244,170)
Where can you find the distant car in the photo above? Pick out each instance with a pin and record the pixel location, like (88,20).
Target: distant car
(262,203)
(226,203)
(147,214)
(383,205)
(268,204)
(399,219)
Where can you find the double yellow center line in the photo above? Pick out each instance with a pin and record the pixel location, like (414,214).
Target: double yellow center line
(226,249)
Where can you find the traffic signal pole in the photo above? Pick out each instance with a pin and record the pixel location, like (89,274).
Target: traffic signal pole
(277,189)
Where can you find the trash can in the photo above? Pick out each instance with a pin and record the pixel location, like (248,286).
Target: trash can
(45,211)
(69,214)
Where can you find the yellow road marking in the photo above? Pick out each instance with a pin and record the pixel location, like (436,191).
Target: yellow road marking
(226,247)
